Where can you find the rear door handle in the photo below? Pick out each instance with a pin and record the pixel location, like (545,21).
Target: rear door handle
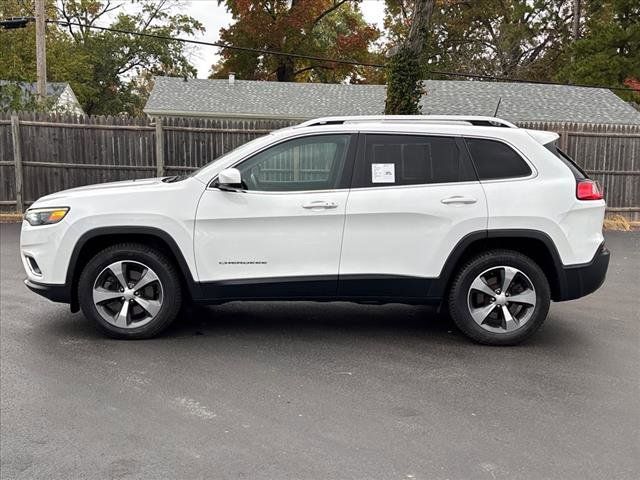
(458,199)
(320,204)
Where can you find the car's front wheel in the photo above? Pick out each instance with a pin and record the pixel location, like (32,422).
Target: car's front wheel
(500,297)
(130,291)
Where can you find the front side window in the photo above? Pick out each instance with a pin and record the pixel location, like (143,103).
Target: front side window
(411,160)
(495,160)
(307,163)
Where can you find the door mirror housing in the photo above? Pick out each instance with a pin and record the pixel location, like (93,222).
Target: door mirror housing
(229,179)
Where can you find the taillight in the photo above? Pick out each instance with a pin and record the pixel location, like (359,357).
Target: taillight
(589,190)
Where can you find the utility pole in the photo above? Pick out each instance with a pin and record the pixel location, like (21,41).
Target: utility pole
(41,53)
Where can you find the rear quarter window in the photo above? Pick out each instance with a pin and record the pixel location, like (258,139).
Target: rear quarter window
(567,160)
(495,160)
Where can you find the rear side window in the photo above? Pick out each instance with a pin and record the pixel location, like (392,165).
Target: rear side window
(495,160)
(387,160)
(567,160)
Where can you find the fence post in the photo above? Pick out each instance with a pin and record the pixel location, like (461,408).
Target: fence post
(159,148)
(17,161)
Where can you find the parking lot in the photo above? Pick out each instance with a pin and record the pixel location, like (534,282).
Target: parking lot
(321,391)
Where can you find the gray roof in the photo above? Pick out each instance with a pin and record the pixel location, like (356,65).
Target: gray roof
(60,93)
(260,99)
(54,89)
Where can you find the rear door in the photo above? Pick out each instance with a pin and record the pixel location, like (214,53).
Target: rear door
(413,198)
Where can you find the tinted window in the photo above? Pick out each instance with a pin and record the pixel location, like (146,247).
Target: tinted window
(411,160)
(308,163)
(567,160)
(495,160)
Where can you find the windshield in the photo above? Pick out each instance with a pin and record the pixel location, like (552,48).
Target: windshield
(235,151)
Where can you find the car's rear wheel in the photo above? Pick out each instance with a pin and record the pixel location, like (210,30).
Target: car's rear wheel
(500,297)
(130,291)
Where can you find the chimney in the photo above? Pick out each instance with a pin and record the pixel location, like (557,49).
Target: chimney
(232,78)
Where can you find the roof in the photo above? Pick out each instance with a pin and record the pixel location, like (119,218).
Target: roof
(61,93)
(54,89)
(519,102)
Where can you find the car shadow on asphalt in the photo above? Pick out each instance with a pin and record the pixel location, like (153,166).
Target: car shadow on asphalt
(330,322)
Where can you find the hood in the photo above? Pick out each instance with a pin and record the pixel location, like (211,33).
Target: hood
(101,188)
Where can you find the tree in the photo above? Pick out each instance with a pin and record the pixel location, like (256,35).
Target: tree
(102,67)
(404,72)
(516,38)
(320,28)
(609,51)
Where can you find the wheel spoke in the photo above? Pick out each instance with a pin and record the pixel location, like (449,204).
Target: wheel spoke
(118,271)
(510,323)
(480,285)
(481,314)
(122,319)
(527,297)
(152,307)
(101,294)
(509,273)
(147,277)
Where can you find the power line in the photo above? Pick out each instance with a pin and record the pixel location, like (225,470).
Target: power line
(332,60)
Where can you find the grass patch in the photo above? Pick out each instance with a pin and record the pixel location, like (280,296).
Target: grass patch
(620,224)
(10,217)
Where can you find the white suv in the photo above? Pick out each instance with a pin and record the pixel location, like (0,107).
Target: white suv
(485,219)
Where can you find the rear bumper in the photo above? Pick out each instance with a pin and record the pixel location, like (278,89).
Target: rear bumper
(579,280)
(55,293)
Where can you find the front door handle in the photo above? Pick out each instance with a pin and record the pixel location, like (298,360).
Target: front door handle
(458,199)
(320,204)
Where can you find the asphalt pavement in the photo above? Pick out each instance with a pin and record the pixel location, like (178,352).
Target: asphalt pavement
(321,391)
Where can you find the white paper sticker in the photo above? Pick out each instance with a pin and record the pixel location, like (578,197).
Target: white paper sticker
(383,173)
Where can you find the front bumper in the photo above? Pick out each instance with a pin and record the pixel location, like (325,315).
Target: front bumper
(55,293)
(580,280)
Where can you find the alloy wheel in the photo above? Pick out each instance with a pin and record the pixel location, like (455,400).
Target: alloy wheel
(128,294)
(501,299)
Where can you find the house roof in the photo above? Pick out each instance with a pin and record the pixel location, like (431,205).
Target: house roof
(60,92)
(54,89)
(519,102)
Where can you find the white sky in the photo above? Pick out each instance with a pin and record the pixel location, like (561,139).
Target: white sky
(213,17)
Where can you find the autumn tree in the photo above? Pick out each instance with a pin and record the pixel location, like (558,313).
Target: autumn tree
(319,28)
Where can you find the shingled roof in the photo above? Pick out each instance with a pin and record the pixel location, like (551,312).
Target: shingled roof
(519,102)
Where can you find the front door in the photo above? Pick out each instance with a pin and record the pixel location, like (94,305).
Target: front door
(279,237)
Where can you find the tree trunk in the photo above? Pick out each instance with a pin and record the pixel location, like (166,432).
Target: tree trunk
(419,31)
(404,72)
(284,72)
(577,14)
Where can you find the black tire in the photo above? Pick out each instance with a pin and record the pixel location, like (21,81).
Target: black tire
(458,301)
(134,252)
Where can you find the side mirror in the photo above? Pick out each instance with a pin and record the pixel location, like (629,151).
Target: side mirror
(229,179)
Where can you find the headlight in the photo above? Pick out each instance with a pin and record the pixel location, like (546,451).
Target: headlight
(45,216)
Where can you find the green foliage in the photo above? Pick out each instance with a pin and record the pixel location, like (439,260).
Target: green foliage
(609,51)
(108,71)
(404,89)
(515,38)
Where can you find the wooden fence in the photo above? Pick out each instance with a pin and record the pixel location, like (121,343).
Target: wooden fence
(609,154)
(41,154)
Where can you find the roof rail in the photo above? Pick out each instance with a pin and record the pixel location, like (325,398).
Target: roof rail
(439,119)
